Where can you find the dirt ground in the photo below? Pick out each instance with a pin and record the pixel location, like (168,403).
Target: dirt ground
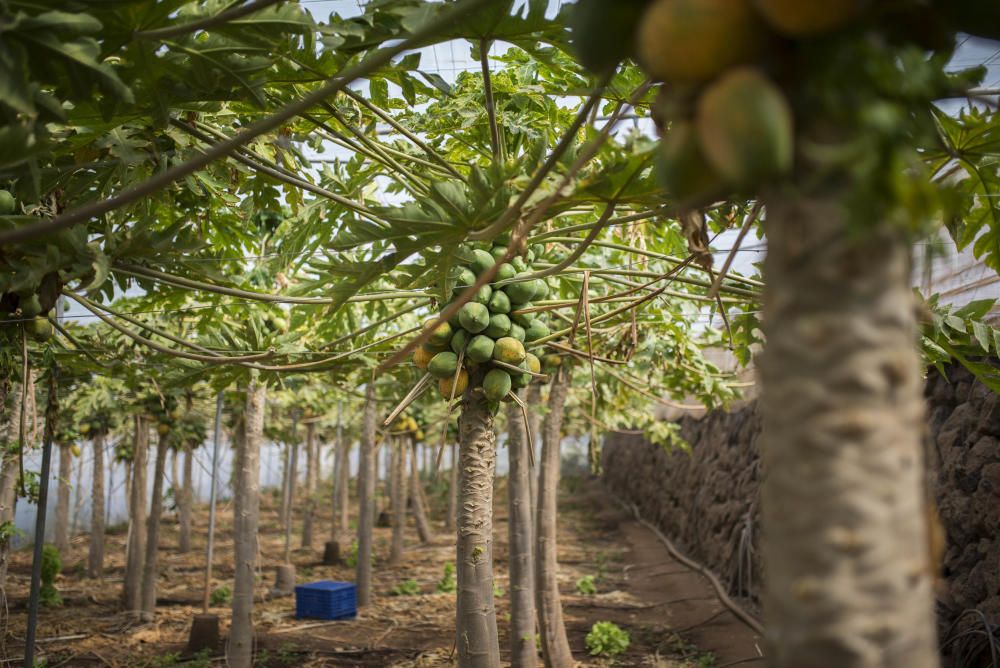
(670,613)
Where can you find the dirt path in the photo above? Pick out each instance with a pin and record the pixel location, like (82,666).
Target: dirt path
(670,614)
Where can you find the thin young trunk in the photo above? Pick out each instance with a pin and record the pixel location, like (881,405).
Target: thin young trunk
(61,534)
(149,567)
(417,498)
(520,535)
(312,476)
(534,418)
(450,519)
(475,622)
(293,475)
(285,469)
(398,500)
(95,555)
(186,501)
(555,646)
(136,554)
(175,479)
(366,498)
(246,516)
(74,516)
(850,582)
(341,492)
(8,483)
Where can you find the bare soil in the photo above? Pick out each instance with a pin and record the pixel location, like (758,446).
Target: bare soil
(670,613)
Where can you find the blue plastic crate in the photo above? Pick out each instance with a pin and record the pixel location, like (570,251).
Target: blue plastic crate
(326,599)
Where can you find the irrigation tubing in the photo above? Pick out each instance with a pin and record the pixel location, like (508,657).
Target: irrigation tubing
(752,623)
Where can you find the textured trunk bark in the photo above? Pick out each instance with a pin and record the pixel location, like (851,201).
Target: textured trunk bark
(845,537)
(95,555)
(312,476)
(555,646)
(293,479)
(8,482)
(61,533)
(417,499)
(136,555)
(246,515)
(175,479)
(149,566)
(476,624)
(534,419)
(74,515)
(366,498)
(450,519)
(520,535)
(398,500)
(186,501)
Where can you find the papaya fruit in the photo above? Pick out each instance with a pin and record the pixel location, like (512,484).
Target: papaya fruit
(458,341)
(519,264)
(537,330)
(682,168)
(551,361)
(460,384)
(30,306)
(533,363)
(499,326)
(40,329)
(503,239)
(7,203)
(519,380)
(541,289)
(690,41)
(474,317)
(443,364)
(509,350)
(483,295)
(516,332)
(75,449)
(538,249)
(796,18)
(523,319)
(529,257)
(418,435)
(498,252)
(483,261)
(496,384)
(602,33)
(506,271)
(464,278)
(744,124)
(441,334)
(499,302)
(520,292)
(480,349)
(163,429)
(85,428)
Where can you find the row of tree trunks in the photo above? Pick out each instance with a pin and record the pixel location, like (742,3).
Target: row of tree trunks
(246,517)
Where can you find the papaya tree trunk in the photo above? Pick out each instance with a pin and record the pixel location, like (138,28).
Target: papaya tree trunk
(175,478)
(849,580)
(555,646)
(186,501)
(63,486)
(452,515)
(520,534)
(285,469)
(341,491)
(398,500)
(74,516)
(312,475)
(476,640)
(293,474)
(417,499)
(366,498)
(246,516)
(95,554)
(136,552)
(8,485)
(149,566)
(534,418)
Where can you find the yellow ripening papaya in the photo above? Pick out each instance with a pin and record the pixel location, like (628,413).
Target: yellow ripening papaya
(802,18)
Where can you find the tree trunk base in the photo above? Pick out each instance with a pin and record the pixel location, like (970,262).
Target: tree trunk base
(331,553)
(204,634)
(284,581)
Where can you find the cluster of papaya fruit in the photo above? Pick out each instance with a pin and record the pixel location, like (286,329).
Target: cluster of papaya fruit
(407,425)
(26,304)
(726,124)
(493,331)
